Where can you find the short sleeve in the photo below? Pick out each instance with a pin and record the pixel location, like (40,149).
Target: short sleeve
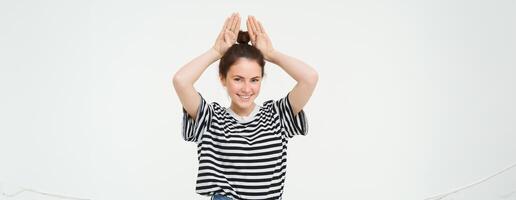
(192,129)
(293,125)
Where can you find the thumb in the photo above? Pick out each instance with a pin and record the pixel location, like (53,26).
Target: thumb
(227,36)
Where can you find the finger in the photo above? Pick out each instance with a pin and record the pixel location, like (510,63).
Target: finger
(226,25)
(236,28)
(221,33)
(226,36)
(253,27)
(250,30)
(249,27)
(256,25)
(251,23)
(233,22)
(260,27)
(253,30)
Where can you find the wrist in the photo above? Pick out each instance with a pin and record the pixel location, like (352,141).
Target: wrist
(272,56)
(215,53)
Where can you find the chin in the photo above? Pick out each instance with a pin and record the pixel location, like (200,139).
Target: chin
(243,104)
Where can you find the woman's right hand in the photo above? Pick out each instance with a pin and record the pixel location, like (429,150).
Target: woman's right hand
(228,35)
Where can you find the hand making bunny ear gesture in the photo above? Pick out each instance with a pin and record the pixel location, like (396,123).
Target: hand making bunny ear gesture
(259,37)
(228,35)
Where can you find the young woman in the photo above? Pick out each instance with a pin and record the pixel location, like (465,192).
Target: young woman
(242,149)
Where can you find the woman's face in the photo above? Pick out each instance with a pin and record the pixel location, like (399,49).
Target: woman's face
(243,82)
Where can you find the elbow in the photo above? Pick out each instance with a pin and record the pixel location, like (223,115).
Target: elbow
(179,81)
(176,80)
(312,78)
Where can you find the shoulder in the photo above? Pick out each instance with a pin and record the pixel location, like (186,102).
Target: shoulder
(268,103)
(275,102)
(213,108)
(212,105)
(269,106)
(217,109)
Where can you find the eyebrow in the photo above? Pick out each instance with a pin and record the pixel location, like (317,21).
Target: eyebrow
(244,77)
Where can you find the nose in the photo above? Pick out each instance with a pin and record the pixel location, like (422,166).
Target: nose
(247,88)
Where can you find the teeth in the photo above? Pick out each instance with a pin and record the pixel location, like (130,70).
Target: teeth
(244,97)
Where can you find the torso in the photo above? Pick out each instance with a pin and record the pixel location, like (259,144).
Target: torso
(243,158)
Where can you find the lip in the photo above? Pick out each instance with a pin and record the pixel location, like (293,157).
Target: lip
(245,99)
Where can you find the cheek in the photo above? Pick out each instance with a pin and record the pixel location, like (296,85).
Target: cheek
(256,87)
(233,87)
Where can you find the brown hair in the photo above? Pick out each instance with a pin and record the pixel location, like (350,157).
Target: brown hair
(240,50)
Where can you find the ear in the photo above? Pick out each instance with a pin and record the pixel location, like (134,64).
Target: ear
(222,81)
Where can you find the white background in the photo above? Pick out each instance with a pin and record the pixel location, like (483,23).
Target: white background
(415,98)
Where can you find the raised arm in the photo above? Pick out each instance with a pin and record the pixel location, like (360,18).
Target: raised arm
(305,75)
(187,75)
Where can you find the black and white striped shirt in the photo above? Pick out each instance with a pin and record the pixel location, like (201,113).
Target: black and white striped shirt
(243,160)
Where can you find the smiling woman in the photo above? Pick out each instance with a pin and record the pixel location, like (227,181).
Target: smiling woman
(243,84)
(242,149)
(241,70)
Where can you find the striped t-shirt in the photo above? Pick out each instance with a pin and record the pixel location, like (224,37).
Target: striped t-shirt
(243,159)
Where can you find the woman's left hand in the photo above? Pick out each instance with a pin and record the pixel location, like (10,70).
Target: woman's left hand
(228,35)
(259,37)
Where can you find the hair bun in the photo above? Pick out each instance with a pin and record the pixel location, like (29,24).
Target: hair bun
(243,37)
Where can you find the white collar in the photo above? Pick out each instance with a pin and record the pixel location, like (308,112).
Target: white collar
(244,119)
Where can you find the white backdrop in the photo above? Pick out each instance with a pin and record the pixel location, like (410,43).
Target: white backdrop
(415,98)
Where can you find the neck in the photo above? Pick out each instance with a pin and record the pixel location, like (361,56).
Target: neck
(244,112)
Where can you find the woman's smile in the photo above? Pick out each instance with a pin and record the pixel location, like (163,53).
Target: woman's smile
(244,97)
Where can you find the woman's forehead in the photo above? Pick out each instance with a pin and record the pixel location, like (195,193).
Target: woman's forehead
(245,68)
